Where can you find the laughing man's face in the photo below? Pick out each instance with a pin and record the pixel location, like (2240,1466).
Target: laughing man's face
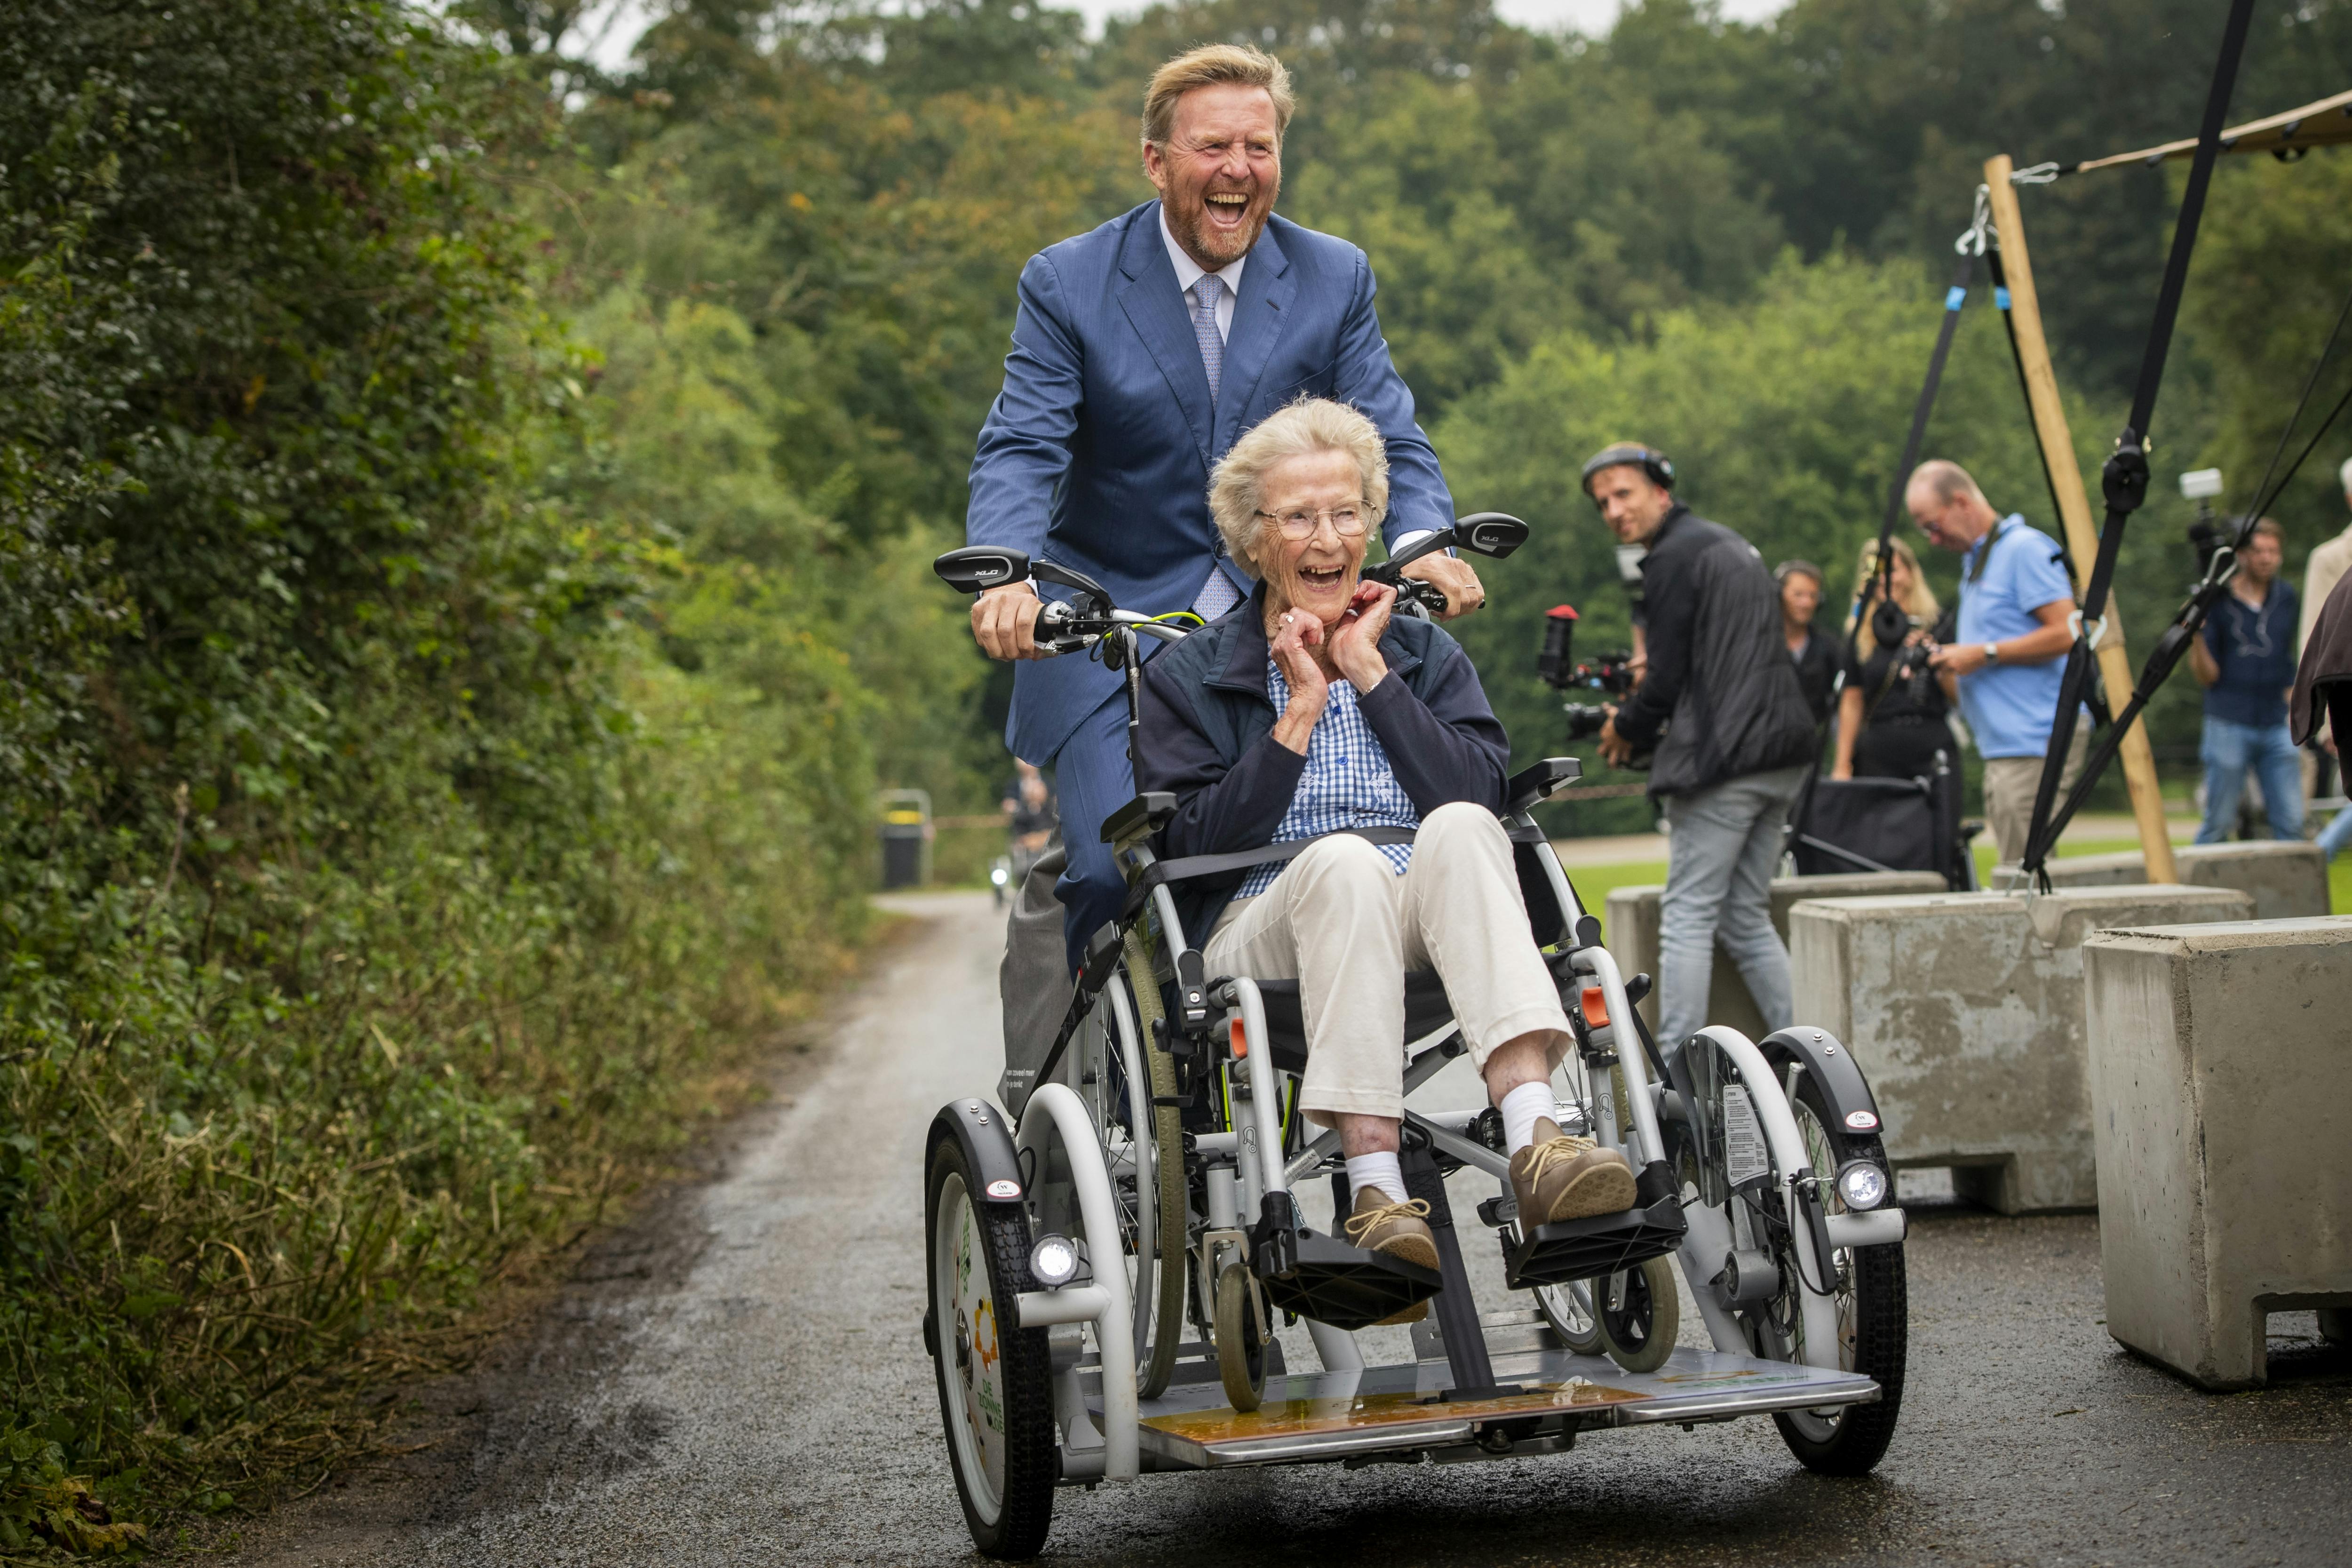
(1220,172)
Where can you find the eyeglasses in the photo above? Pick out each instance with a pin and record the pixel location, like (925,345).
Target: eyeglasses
(1347,521)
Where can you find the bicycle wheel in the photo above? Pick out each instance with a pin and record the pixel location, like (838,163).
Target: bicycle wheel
(995,1380)
(1142,1147)
(1873,1316)
(1638,1314)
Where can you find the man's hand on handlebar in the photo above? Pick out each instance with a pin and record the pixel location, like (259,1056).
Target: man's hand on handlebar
(1452,576)
(1004,622)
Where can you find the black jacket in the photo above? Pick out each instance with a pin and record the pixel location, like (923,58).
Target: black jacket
(1719,666)
(1207,738)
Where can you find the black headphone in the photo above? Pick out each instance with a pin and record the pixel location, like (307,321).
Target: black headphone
(1652,462)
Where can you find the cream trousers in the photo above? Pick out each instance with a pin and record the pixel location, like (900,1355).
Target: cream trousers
(1348,927)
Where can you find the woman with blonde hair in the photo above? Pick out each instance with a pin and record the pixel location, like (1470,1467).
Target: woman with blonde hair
(1894,715)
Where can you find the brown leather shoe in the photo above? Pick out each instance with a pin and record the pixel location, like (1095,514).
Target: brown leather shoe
(1394,1230)
(1557,1177)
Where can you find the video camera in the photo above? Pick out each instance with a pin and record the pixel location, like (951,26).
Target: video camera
(1611,673)
(2206,535)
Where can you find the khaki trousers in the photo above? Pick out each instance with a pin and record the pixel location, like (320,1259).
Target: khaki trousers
(1348,927)
(2009,786)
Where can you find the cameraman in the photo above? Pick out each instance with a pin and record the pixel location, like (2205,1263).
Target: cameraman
(1731,762)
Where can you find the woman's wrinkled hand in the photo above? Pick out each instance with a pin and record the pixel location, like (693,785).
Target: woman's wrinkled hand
(1309,690)
(1356,641)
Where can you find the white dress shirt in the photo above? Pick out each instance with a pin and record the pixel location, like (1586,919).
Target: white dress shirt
(1189,272)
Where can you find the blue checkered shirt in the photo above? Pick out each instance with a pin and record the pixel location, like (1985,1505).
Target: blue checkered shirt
(1347,782)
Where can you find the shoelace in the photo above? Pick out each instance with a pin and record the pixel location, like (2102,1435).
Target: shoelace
(1358,1226)
(1555,1152)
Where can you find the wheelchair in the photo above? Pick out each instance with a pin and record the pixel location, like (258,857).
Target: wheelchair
(1110,1258)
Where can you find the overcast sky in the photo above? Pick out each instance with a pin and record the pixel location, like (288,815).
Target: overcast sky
(612,28)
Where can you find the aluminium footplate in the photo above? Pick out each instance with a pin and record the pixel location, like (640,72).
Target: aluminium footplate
(1399,1413)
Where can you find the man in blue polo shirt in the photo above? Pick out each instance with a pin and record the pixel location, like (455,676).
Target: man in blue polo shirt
(2244,658)
(2010,648)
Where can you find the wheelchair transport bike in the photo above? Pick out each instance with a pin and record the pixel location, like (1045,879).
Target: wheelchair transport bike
(1110,1254)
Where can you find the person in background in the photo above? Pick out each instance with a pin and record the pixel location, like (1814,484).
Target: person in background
(1815,652)
(1029,815)
(2015,602)
(2323,691)
(1720,702)
(2328,564)
(2244,658)
(1892,721)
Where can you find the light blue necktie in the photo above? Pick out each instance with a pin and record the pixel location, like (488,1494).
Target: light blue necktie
(1217,595)
(1205,295)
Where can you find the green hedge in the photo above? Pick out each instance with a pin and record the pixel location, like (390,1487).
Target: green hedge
(376,889)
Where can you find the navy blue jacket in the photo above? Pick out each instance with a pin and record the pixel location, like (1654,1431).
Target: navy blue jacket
(1208,739)
(1097,453)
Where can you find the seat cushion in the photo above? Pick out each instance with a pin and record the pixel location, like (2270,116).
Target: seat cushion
(1427,1007)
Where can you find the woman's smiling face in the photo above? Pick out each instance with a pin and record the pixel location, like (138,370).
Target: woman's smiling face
(1317,574)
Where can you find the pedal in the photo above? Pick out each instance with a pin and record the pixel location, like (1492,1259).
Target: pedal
(1343,1286)
(1498,1211)
(1605,1244)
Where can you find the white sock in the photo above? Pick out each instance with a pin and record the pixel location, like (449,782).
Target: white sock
(1522,1108)
(1380,1170)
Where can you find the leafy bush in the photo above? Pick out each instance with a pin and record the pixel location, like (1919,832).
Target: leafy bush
(377,891)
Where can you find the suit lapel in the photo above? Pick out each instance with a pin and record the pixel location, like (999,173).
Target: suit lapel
(1261,316)
(1155,308)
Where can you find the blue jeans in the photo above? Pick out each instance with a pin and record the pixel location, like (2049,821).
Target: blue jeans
(2336,834)
(1720,855)
(1093,778)
(2229,751)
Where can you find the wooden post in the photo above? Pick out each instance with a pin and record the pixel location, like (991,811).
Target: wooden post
(2074,509)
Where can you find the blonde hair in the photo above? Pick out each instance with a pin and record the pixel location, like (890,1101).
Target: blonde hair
(1919,604)
(1300,429)
(1210,66)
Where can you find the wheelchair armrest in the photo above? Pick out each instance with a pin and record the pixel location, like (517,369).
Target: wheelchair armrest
(1138,819)
(1538,781)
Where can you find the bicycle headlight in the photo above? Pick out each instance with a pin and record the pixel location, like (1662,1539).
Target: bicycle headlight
(1053,1261)
(1862,1185)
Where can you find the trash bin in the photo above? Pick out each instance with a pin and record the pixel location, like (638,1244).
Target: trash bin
(906,838)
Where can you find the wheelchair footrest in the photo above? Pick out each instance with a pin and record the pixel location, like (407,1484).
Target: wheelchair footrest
(1604,1244)
(1348,1287)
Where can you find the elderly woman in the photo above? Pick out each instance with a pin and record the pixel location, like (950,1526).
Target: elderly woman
(1308,711)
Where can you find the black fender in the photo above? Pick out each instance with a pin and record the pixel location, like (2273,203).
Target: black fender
(986,1135)
(1831,1067)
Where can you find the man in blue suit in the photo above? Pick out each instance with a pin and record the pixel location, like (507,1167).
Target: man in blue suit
(1140,352)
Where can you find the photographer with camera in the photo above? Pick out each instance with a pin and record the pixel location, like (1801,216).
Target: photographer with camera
(1895,713)
(2009,658)
(2244,658)
(1720,704)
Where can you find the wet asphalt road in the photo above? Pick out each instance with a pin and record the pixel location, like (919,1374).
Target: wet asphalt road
(736,1377)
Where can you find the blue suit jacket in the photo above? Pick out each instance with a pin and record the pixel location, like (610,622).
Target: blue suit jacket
(1097,453)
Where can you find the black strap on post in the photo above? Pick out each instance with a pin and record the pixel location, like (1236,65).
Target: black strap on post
(1971,246)
(2124,480)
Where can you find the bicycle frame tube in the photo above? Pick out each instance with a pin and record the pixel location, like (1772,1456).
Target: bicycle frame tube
(1059,1105)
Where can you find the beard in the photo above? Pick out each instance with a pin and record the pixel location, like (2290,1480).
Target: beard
(1205,242)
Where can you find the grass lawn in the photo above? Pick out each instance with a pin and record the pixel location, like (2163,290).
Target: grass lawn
(1593,884)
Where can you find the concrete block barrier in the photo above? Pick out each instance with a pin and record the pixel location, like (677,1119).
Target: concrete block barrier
(2288,878)
(1965,1012)
(1633,920)
(2220,1062)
